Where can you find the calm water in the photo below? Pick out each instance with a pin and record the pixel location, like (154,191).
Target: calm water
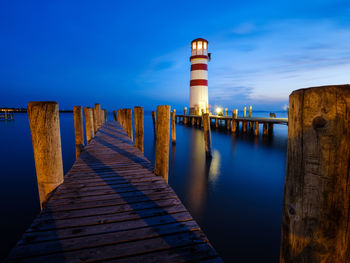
(236,198)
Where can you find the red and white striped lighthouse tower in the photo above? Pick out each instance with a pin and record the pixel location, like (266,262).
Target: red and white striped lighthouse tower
(199,77)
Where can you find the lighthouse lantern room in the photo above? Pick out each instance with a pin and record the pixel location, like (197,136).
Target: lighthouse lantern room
(199,77)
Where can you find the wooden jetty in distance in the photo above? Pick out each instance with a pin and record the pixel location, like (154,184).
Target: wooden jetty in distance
(232,123)
(6,115)
(111,206)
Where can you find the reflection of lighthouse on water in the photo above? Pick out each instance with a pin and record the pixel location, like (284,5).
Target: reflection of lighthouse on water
(199,77)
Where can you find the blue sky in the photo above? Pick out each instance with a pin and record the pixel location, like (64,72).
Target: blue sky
(127,53)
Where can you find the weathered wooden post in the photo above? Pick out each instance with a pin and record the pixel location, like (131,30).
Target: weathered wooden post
(265,129)
(98,114)
(94,116)
(234,117)
(185,115)
(173,129)
(315,217)
(46,138)
(102,116)
(244,111)
(78,130)
(114,116)
(118,115)
(162,143)
(244,126)
(105,116)
(226,112)
(154,124)
(139,132)
(129,123)
(193,120)
(89,126)
(250,111)
(228,124)
(207,134)
(256,130)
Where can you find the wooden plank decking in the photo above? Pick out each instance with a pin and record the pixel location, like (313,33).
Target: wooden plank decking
(113,208)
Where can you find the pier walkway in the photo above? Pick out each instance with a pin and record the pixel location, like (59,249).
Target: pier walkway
(113,208)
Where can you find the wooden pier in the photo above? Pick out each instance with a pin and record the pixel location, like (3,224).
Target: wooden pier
(112,207)
(6,115)
(232,123)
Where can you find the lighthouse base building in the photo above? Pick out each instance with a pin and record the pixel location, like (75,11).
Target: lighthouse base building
(199,77)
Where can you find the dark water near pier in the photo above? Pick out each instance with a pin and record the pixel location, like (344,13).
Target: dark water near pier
(236,198)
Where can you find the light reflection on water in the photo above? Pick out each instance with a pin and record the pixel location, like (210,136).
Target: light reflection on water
(235,197)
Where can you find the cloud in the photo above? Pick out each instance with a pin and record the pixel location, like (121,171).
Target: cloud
(244,29)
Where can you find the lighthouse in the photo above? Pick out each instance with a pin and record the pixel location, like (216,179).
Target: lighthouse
(199,77)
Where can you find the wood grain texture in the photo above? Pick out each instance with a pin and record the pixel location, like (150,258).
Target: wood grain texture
(139,132)
(46,139)
(315,217)
(112,207)
(78,130)
(161,167)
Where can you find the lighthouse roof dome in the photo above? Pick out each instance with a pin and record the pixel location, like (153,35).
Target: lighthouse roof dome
(199,39)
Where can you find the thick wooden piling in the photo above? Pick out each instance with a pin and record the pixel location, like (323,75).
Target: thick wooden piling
(244,126)
(244,111)
(139,132)
(78,130)
(154,124)
(250,111)
(256,128)
(207,134)
(234,117)
(185,115)
(98,114)
(173,126)
(46,138)
(89,124)
(114,116)
(129,123)
(265,129)
(162,144)
(315,217)
(94,118)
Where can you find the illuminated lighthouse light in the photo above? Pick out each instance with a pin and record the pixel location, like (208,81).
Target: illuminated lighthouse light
(199,77)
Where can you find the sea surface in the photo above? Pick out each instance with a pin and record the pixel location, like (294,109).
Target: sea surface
(236,198)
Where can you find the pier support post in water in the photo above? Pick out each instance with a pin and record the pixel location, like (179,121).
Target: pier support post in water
(129,123)
(256,128)
(154,124)
(78,130)
(94,116)
(234,117)
(315,217)
(98,115)
(265,129)
(161,167)
(207,134)
(185,116)
(139,133)
(89,125)
(173,129)
(244,111)
(46,138)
